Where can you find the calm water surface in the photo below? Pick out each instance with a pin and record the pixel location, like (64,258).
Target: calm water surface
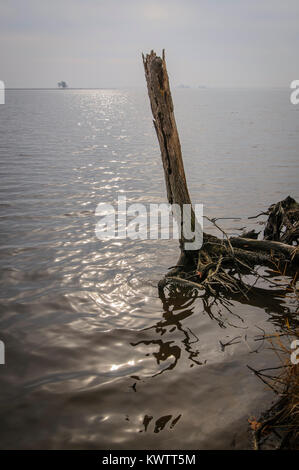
(94,357)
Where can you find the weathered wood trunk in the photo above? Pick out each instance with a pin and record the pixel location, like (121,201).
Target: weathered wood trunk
(166,129)
(165,125)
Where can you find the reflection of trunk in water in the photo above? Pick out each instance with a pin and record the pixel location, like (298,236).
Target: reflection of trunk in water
(160,422)
(166,350)
(180,298)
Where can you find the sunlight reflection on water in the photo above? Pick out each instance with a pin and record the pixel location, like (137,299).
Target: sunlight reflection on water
(93,351)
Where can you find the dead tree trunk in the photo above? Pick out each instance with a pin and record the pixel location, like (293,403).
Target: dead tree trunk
(219,262)
(166,129)
(165,125)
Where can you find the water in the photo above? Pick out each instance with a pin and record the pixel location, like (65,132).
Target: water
(94,357)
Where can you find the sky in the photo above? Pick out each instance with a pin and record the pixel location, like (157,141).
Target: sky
(98,43)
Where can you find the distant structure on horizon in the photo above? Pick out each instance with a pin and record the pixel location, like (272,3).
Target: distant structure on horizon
(62,84)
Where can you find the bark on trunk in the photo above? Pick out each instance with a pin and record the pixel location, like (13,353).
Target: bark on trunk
(165,125)
(166,129)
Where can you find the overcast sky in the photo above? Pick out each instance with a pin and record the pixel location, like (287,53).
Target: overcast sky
(98,43)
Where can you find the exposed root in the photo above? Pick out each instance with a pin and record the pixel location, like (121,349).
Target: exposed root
(221,263)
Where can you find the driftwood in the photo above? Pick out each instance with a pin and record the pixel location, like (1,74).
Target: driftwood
(220,263)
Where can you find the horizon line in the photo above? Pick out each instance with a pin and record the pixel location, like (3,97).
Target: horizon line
(200,87)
